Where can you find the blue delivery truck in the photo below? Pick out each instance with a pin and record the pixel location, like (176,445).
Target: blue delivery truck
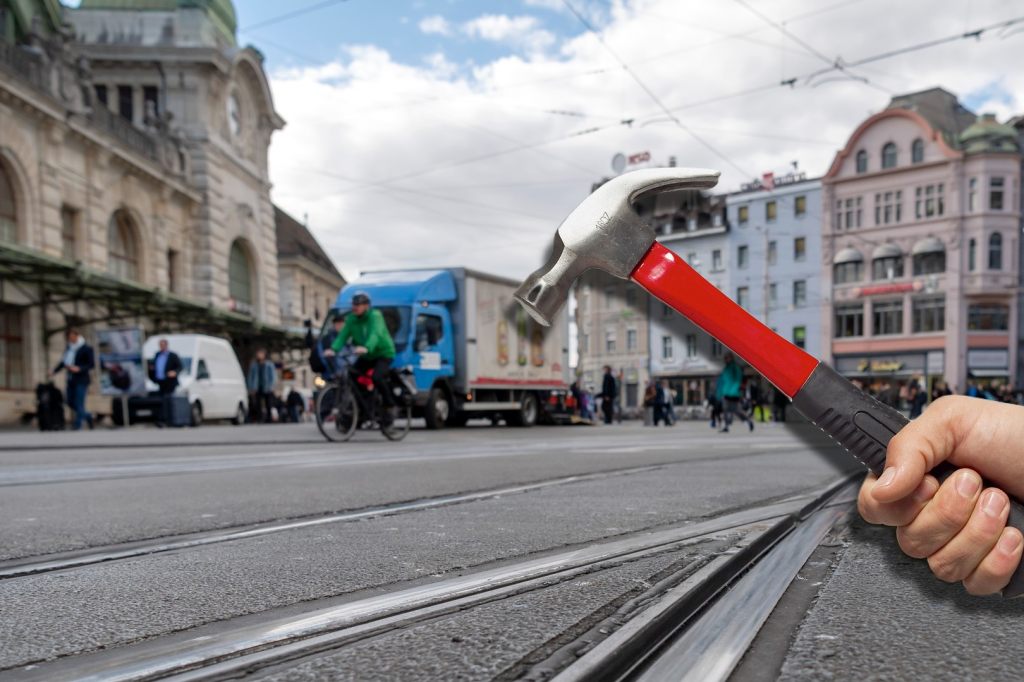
(471,348)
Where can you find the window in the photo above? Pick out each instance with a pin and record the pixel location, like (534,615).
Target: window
(429,332)
(691,345)
(742,296)
(716,260)
(800,206)
(631,294)
(889,267)
(995,251)
(972,191)
(995,194)
(888,317)
(68,222)
(743,215)
(666,348)
(12,353)
(666,311)
(632,394)
(929,314)
(174,278)
(889,155)
(972,254)
(988,317)
(150,100)
(240,287)
(773,293)
(123,253)
(888,207)
(125,102)
(101,94)
(800,337)
(691,259)
(631,339)
(717,349)
(839,214)
(929,201)
(773,253)
(800,249)
(584,343)
(799,293)
(858,213)
(862,161)
(8,207)
(771,210)
(609,296)
(609,341)
(917,151)
(742,252)
(930,263)
(202,371)
(849,320)
(845,273)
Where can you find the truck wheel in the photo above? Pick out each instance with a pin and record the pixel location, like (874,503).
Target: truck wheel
(438,408)
(527,413)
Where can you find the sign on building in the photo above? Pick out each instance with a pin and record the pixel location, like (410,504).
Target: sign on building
(122,368)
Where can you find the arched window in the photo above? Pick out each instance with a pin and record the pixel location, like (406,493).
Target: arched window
(929,257)
(240,286)
(972,254)
(847,266)
(917,151)
(8,207)
(122,247)
(995,251)
(886,262)
(889,155)
(862,161)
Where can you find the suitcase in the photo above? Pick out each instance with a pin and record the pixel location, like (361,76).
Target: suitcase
(180,411)
(49,407)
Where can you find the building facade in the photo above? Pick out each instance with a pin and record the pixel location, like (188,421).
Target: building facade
(921,247)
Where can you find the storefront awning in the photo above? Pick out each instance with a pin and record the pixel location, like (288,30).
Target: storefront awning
(887,251)
(55,284)
(989,373)
(928,245)
(848,255)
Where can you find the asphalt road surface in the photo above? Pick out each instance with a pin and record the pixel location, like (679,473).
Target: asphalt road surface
(125,544)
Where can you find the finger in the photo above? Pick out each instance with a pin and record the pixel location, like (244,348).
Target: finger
(943,517)
(899,513)
(918,447)
(997,568)
(962,555)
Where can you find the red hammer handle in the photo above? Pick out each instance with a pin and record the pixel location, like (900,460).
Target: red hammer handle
(855,420)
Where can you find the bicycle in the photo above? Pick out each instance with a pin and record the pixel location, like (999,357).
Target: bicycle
(347,404)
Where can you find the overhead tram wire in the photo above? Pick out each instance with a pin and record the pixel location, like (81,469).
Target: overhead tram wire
(291,15)
(650,93)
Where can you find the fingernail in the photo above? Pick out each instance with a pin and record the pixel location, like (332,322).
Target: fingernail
(1009,542)
(993,504)
(887,477)
(967,484)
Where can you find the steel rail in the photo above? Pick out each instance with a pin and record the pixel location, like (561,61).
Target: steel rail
(195,656)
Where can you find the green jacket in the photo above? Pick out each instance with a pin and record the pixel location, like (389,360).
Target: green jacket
(368,331)
(729,381)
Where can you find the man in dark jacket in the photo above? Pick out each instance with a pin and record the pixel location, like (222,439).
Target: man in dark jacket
(78,361)
(260,381)
(608,394)
(163,371)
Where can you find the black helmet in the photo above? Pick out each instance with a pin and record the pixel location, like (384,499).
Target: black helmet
(360,298)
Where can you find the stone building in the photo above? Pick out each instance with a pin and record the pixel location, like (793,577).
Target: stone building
(921,247)
(133,180)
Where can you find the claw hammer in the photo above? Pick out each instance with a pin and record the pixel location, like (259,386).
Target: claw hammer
(606,233)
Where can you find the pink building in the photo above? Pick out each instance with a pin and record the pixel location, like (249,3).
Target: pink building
(920,247)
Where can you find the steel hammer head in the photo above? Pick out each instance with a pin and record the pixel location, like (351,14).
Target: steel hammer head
(603,232)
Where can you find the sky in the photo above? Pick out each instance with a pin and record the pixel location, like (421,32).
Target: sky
(461,132)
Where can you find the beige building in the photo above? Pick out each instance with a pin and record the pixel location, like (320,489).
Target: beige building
(920,243)
(133,180)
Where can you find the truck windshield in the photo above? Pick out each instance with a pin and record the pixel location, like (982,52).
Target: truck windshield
(396,318)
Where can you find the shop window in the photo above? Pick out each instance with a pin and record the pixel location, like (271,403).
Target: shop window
(887,317)
(929,314)
(995,251)
(849,320)
(988,317)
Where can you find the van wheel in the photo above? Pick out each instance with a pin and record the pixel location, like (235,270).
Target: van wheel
(438,408)
(239,417)
(197,414)
(527,413)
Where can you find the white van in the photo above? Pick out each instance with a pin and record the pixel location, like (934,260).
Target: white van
(210,376)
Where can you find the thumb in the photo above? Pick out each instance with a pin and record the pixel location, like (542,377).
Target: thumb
(914,451)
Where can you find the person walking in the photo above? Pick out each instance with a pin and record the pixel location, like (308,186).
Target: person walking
(78,362)
(650,399)
(261,386)
(163,371)
(296,405)
(608,394)
(779,404)
(918,398)
(728,388)
(670,399)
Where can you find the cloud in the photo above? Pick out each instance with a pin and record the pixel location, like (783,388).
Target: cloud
(475,164)
(435,24)
(523,31)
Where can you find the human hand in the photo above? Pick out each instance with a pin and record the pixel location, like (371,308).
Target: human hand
(172,374)
(958,527)
(329,352)
(72,368)
(359,350)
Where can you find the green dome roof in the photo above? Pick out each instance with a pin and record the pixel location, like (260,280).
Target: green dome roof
(987,134)
(221,12)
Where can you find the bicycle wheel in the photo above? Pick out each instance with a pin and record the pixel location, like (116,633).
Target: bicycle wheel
(337,414)
(401,422)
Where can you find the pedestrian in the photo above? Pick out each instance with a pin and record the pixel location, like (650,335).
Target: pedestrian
(779,404)
(77,362)
(669,406)
(650,397)
(918,398)
(577,397)
(261,386)
(295,403)
(163,371)
(608,395)
(587,404)
(715,407)
(728,388)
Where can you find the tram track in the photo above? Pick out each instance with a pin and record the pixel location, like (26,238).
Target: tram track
(227,650)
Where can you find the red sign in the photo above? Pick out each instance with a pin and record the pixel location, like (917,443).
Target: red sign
(888,289)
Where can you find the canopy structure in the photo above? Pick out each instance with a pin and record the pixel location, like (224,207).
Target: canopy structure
(887,251)
(85,296)
(848,255)
(928,245)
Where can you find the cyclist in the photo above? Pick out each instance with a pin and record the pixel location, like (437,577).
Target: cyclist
(365,328)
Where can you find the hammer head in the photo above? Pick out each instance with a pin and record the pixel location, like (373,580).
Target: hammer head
(603,232)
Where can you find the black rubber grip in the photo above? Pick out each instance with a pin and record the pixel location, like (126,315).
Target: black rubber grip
(864,427)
